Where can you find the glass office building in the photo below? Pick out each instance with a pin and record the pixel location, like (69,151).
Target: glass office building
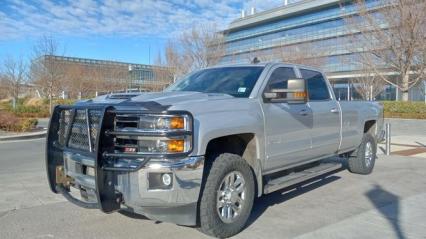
(316,29)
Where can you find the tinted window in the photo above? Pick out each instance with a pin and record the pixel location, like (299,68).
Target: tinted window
(235,81)
(279,78)
(317,88)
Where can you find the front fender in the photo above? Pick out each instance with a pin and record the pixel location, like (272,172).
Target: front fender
(211,126)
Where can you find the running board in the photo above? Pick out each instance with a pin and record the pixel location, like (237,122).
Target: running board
(298,177)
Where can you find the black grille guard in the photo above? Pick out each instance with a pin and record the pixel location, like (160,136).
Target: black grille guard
(106,196)
(108,200)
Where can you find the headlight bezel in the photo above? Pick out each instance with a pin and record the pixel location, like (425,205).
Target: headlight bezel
(154,133)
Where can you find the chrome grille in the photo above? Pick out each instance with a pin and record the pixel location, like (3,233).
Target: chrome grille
(125,122)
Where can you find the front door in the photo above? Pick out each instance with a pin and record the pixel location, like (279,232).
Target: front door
(287,126)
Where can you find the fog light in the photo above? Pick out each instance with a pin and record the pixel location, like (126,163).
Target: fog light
(160,181)
(167,179)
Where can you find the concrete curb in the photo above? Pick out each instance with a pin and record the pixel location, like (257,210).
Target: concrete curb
(34,135)
(403,119)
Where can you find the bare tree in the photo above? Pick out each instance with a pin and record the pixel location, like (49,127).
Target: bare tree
(162,75)
(76,81)
(203,46)
(394,36)
(95,76)
(47,71)
(116,78)
(4,92)
(368,84)
(107,78)
(14,76)
(306,54)
(422,88)
(200,47)
(175,60)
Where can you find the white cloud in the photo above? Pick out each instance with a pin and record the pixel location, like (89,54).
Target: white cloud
(160,18)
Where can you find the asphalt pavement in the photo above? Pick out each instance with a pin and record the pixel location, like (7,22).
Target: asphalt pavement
(386,204)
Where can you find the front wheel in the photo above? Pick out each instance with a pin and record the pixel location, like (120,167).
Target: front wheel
(228,196)
(363,159)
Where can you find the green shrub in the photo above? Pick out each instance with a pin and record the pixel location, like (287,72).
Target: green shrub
(407,110)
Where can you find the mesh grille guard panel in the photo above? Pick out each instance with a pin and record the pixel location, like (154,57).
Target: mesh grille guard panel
(80,126)
(79,138)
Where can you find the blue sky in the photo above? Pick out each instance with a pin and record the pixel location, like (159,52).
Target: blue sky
(121,30)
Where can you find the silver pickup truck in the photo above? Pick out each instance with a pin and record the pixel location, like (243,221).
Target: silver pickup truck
(199,152)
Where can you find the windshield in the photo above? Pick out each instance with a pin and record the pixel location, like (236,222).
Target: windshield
(235,81)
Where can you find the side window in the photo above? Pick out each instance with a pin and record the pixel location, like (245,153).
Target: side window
(317,88)
(279,78)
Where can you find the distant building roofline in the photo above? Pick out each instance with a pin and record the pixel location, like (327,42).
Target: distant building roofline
(100,62)
(279,12)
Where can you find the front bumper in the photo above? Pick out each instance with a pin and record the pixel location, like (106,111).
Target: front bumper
(177,204)
(111,189)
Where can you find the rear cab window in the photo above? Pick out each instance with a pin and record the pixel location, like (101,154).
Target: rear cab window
(316,85)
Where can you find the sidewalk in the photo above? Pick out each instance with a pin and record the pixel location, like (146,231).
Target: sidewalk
(408,138)
(401,218)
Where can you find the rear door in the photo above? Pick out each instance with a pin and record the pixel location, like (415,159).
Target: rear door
(287,126)
(325,130)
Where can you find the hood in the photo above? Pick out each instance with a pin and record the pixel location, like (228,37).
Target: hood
(163,98)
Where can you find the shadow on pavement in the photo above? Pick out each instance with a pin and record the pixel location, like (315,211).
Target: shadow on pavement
(422,145)
(133,215)
(387,204)
(262,203)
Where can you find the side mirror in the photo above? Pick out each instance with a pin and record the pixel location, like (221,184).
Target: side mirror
(294,93)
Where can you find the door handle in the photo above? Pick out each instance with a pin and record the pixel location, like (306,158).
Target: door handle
(334,110)
(303,112)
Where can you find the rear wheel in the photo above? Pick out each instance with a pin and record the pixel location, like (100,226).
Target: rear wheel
(362,160)
(228,196)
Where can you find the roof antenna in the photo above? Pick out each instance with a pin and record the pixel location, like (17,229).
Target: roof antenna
(255,60)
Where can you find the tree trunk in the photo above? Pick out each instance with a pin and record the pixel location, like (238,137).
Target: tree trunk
(50,104)
(404,95)
(405,88)
(14,102)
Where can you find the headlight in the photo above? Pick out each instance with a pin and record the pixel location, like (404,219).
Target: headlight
(166,123)
(154,133)
(161,122)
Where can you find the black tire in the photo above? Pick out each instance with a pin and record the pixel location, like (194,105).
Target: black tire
(357,161)
(210,222)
